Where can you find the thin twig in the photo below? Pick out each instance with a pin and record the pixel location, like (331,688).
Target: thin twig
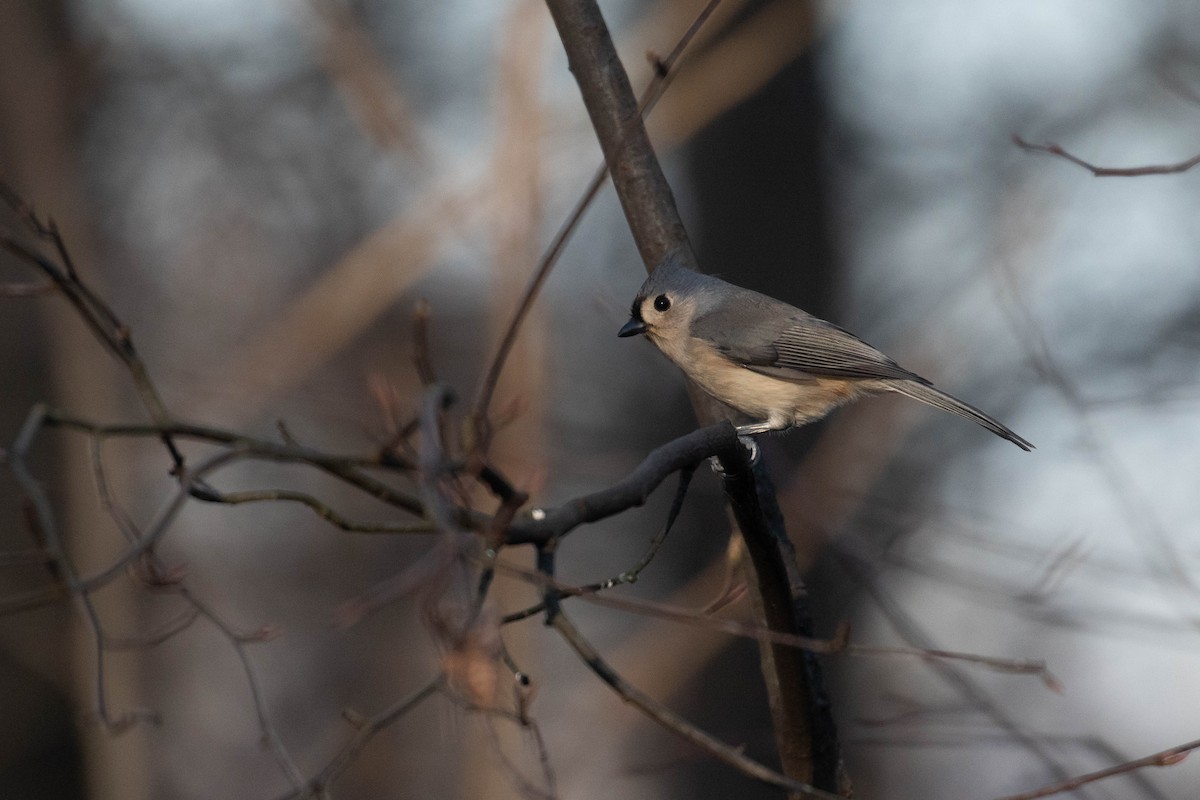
(664,72)
(265,723)
(632,575)
(366,730)
(319,508)
(526,787)
(164,632)
(1107,172)
(838,646)
(903,623)
(344,467)
(46,529)
(732,756)
(198,608)
(1163,758)
(92,309)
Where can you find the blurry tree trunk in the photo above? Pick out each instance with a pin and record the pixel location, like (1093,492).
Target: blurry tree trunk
(38,155)
(758,173)
(514,229)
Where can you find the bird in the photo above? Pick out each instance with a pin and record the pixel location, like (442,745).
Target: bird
(779,366)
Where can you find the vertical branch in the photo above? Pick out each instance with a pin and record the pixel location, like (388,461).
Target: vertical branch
(637,176)
(803,725)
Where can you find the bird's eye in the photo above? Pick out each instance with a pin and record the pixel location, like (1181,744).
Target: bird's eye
(662,303)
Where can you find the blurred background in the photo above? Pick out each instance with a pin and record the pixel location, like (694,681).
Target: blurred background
(265,190)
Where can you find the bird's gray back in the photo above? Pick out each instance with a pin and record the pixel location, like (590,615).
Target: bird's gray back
(778,339)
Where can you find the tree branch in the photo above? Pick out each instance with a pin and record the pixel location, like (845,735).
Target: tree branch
(673,722)
(546,525)
(799,708)
(637,176)
(1107,172)
(664,71)
(1163,758)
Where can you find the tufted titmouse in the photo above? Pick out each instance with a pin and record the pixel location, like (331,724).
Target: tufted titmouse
(769,360)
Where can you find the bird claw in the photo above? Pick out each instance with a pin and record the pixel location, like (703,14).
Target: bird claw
(751,446)
(752,452)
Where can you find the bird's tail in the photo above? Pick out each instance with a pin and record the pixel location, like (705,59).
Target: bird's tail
(939,399)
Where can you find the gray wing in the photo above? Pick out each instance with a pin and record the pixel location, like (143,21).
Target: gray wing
(776,339)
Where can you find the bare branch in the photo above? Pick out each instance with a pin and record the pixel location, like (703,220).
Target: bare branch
(964,684)
(348,468)
(664,72)
(366,730)
(838,646)
(1107,172)
(804,730)
(319,508)
(546,525)
(92,309)
(732,756)
(1163,758)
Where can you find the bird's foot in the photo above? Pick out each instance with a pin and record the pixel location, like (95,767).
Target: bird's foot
(752,453)
(751,446)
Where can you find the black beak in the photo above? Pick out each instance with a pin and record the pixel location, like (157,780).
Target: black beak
(632,328)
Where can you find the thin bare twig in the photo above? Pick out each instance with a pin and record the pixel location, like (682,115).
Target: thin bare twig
(92,309)
(348,468)
(899,619)
(43,520)
(1163,758)
(631,575)
(520,718)
(1107,172)
(28,601)
(319,508)
(664,72)
(164,632)
(732,756)
(366,730)
(838,646)
(158,577)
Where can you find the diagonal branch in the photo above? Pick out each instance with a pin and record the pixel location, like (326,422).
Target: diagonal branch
(664,72)
(664,716)
(1163,758)
(642,188)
